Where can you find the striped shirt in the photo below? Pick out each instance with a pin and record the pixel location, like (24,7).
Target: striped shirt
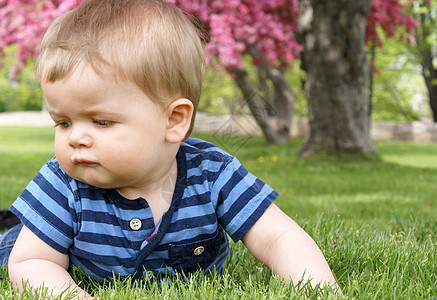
(104,233)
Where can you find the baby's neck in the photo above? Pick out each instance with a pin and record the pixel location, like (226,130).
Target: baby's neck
(158,194)
(160,201)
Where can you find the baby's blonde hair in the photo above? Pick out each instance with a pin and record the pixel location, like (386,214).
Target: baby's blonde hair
(149,42)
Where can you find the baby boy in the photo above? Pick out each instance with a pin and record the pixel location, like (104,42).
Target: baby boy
(128,192)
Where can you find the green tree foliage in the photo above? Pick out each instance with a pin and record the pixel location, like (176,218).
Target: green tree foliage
(219,92)
(398,89)
(22,93)
(426,50)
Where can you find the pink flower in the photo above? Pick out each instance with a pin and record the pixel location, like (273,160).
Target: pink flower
(270,25)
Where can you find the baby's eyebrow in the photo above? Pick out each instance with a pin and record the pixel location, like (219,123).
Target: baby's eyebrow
(88,113)
(101,113)
(53,114)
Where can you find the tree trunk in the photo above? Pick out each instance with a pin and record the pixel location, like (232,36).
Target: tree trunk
(274,120)
(430,75)
(426,56)
(432,91)
(273,111)
(336,86)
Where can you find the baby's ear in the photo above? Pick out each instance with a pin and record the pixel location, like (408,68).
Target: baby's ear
(179,114)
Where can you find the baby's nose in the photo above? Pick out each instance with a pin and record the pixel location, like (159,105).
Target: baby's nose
(79,137)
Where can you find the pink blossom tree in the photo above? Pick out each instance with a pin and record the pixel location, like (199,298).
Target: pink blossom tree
(389,15)
(263,31)
(23,23)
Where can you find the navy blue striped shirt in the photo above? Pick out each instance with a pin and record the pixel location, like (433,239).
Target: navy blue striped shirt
(214,196)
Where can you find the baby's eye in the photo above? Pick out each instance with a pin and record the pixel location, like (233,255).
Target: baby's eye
(103,123)
(63,124)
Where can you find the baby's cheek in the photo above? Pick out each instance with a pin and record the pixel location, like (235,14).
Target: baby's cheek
(62,157)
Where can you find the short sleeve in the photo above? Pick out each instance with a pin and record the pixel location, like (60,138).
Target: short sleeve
(241,198)
(45,207)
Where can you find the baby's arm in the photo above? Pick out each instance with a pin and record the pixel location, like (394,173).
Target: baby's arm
(278,242)
(38,263)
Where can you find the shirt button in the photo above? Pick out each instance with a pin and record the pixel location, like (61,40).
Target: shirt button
(199,250)
(135,224)
(150,274)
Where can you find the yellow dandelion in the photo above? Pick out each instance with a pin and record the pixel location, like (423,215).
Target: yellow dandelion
(260,159)
(274,158)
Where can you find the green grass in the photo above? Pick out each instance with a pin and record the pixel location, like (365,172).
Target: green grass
(23,151)
(373,218)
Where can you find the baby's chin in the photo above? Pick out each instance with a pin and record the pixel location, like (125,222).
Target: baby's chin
(93,182)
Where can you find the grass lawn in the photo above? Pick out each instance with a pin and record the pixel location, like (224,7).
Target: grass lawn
(374,218)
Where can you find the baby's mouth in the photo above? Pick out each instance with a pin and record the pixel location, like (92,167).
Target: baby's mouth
(84,162)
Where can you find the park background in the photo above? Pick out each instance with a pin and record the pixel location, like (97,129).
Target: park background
(370,206)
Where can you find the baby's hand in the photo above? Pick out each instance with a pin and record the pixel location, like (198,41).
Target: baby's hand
(279,243)
(34,261)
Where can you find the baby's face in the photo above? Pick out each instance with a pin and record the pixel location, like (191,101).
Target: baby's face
(108,133)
